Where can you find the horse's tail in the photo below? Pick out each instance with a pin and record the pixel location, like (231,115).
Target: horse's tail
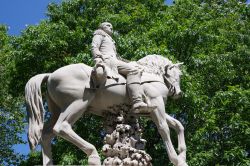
(35,109)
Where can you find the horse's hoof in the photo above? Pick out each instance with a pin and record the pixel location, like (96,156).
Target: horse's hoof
(182,149)
(182,156)
(94,160)
(182,163)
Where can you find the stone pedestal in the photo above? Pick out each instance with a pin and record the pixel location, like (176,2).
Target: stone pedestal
(123,143)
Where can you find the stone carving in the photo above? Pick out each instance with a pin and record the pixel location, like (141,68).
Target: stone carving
(71,92)
(123,143)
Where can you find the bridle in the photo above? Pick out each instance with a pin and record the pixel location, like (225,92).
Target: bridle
(170,83)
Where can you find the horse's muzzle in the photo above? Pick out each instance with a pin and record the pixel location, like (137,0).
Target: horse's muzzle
(177,94)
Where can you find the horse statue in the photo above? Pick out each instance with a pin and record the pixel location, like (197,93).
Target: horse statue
(70,95)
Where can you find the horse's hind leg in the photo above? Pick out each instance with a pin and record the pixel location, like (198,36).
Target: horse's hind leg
(63,128)
(47,134)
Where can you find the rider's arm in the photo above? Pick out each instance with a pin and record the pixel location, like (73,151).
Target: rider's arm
(95,46)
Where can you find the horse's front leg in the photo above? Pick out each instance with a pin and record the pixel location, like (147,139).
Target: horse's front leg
(159,117)
(178,127)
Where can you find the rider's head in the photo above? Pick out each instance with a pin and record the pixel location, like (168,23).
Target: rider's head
(106,27)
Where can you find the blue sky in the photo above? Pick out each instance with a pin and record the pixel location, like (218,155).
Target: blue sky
(18,13)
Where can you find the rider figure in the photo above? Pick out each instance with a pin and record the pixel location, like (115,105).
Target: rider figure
(104,51)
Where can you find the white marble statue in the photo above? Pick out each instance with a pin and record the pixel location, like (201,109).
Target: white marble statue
(104,52)
(72,91)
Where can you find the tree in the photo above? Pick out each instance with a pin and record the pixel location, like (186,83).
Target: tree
(11,119)
(211,38)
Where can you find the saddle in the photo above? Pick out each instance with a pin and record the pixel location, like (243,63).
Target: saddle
(102,76)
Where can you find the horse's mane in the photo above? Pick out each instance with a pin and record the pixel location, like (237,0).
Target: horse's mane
(154,64)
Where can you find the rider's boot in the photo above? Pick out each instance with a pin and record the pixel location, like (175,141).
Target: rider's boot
(135,93)
(136,97)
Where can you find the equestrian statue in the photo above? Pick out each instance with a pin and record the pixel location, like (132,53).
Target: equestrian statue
(76,89)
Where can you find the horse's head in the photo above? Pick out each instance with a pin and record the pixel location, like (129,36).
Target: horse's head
(172,79)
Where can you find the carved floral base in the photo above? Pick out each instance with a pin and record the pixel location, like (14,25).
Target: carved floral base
(123,145)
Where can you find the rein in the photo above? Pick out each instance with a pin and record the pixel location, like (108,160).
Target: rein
(170,84)
(111,85)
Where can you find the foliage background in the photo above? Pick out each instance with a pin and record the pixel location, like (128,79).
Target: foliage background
(212,38)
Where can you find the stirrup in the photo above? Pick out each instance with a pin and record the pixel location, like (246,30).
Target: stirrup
(143,109)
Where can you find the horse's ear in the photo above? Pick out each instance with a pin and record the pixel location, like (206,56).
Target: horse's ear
(171,66)
(179,64)
(167,67)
